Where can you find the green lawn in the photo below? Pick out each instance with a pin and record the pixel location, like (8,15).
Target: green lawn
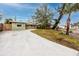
(58,37)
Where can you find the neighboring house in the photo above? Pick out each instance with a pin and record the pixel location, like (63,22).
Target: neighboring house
(13,25)
(31,26)
(75,26)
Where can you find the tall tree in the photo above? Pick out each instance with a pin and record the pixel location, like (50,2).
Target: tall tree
(69,8)
(60,10)
(43,16)
(7,21)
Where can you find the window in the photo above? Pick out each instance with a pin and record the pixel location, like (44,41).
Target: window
(19,25)
(10,23)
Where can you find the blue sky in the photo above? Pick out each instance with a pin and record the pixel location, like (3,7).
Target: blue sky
(24,11)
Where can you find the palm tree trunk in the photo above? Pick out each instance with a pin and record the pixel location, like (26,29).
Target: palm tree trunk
(57,22)
(61,14)
(68,25)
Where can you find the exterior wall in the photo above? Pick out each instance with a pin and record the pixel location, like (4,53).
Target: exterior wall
(15,27)
(31,27)
(7,27)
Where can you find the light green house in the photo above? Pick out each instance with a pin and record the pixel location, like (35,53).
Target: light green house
(17,25)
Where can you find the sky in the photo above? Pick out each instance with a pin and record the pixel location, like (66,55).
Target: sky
(25,11)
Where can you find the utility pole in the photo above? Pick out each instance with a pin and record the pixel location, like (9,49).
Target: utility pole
(15,18)
(1,16)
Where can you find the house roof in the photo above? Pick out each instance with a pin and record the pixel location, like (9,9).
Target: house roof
(17,22)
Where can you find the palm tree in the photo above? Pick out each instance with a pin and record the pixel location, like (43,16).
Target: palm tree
(60,10)
(69,8)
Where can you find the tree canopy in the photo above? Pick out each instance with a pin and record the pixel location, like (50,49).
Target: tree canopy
(43,16)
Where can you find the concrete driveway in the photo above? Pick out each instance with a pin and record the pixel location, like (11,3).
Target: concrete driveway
(26,43)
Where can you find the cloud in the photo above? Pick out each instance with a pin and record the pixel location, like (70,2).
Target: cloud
(16,5)
(21,5)
(12,4)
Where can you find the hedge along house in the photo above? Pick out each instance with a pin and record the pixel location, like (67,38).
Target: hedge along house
(13,25)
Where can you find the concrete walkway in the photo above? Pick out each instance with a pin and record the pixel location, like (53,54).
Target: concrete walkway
(25,43)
